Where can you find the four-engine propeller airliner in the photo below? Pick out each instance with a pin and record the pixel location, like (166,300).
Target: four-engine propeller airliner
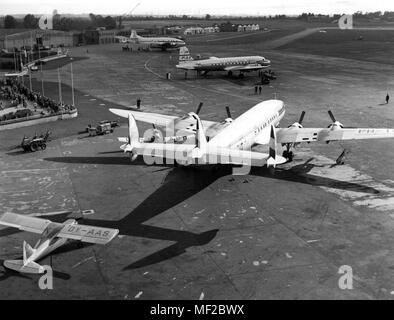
(232,141)
(230,64)
(53,236)
(162,43)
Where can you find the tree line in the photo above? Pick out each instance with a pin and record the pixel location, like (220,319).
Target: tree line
(67,23)
(64,23)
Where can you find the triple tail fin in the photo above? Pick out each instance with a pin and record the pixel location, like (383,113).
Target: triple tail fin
(201,139)
(133,130)
(134,35)
(274,159)
(27,251)
(184,55)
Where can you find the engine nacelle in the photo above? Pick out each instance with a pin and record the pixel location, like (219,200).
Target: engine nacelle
(296,125)
(336,126)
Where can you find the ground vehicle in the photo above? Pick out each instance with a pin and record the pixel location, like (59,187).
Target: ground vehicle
(101,129)
(35,143)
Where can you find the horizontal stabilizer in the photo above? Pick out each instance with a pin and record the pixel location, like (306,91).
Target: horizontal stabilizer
(18,265)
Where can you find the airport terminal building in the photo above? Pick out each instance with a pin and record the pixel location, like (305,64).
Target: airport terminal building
(49,38)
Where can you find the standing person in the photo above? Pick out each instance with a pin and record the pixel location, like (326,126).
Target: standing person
(260,88)
(255,89)
(387,98)
(138,103)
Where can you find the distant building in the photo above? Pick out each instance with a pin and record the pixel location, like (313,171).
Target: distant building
(46,38)
(106,36)
(228,27)
(248,27)
(194,30)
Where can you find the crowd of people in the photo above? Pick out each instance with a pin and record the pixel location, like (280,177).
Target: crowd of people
(14,93)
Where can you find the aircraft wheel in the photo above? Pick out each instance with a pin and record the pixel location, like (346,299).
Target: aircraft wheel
(290,156)
(271,171)
(43,146)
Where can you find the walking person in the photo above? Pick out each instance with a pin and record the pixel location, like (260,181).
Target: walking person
(387,98)
(260,88)
(255,89)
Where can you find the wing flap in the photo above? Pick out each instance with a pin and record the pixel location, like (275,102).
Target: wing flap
(89,234)
(24,223)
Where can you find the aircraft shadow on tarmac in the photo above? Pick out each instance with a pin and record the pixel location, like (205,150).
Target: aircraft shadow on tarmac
(189,182)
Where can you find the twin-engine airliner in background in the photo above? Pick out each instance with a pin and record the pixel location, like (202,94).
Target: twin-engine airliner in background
(162,43)
(232,141)
(230,64)
(53,236)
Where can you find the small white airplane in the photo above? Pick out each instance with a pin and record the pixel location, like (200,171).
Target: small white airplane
(162,43)
(230,64)
(53,236)
(24,71)
(232,141)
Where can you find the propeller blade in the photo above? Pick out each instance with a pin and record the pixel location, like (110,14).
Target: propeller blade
(199,108)
(302,117)
(228,112)
(331,116)
(154,126)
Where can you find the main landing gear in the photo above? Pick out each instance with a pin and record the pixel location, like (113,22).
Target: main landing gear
(289,155)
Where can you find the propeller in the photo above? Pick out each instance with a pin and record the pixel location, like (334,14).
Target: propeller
(153,135)
(199,107)
(335,124)
(331,116)
(302,117)
(228,112)
(299,123)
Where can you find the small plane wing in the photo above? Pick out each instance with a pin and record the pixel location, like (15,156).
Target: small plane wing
(89,234)
(24,223)
(296,135)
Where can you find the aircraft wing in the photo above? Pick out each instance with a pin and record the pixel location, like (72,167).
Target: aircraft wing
(89,234)
(24,223)
(155,118)
(249,67)
(295,135)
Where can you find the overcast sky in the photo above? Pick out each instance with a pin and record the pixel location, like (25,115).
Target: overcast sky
(218,7)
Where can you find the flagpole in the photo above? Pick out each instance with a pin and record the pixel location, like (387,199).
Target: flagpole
(60,86)
(42,81)
(72,82)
